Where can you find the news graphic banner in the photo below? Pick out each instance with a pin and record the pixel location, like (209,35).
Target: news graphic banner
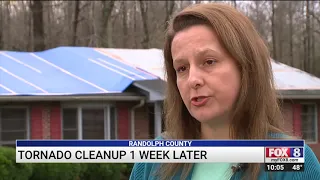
(277,154)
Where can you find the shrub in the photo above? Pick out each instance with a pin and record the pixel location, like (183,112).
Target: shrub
(126,170)
(96,171)
(55,171)
(10,169)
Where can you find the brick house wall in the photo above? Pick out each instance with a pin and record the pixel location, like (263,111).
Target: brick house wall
(287,109)
(46,122)
(292,113)
(40,120)
(36,122)
(123,121)
(55,122)
(43,123)
(142,122)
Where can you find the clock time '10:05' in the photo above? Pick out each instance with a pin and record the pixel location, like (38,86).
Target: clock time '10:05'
(274,167)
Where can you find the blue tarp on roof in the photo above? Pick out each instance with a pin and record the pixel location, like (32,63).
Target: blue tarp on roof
(65,70)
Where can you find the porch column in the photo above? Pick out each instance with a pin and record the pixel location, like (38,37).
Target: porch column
(157,118)
(79,122)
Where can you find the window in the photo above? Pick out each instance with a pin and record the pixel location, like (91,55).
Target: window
(89,122)
(309,122)
(13,125)
(70,123)
(93,124)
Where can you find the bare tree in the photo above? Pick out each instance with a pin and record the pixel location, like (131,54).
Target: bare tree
(144,16)
(38,26)
(234,3)
(306,40)
(273,30)
(291,34)
(6,37)
(1,24)
(313,44)
(135,8)
(124,24)
(75,22)
(317,19)
(169,10)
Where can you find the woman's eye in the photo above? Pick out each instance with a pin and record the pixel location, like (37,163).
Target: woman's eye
(210,62)
(181,69)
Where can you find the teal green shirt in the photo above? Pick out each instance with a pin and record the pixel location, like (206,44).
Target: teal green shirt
(147,171)
(212,171)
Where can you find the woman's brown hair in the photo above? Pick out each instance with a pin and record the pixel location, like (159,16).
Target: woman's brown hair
(256,112)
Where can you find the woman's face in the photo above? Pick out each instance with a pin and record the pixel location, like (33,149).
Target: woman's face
(207,77)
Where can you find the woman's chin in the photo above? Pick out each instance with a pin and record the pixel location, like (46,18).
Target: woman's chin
(209,119)
(204,119)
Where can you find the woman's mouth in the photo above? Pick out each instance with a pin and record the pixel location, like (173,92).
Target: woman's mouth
(199,100)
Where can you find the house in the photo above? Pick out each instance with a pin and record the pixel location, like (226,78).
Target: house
(97,93)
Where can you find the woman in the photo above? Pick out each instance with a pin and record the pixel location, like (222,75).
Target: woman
(219,86)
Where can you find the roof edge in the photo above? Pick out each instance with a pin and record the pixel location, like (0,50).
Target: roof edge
(154,93)
(73,98)
(299,94)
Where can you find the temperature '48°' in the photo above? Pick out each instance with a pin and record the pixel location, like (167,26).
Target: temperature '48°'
(297,167)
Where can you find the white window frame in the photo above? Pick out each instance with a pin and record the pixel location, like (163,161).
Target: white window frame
(28,128)
(80,106)
(315,121)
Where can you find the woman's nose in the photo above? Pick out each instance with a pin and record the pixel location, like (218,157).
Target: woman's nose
(195,79)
